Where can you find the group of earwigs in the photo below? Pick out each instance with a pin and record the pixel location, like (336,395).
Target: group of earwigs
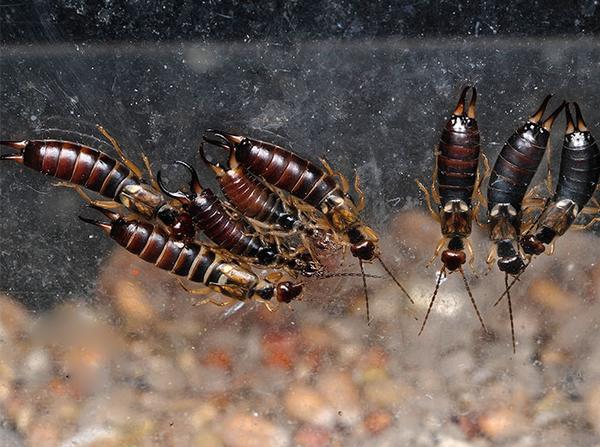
(283,215)
(522,223)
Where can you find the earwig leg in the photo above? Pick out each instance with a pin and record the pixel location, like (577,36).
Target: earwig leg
(361,194)
(126,161)
(491,258)
(434,214)
(327,166)
(486,173)
(270,306)
(434,191)
(106,204)
(551,248)
(471,254)
(345,185)
(151,177)
(591,223)
(436,253)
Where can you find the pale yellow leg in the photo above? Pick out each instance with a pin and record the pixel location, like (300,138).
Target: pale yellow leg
(107,204)
(422,187)
(436,253)
(151,177)
(130,164)
(327,166)
(471,254)
(486,173)
(434,191)
(361,194)
(491,258)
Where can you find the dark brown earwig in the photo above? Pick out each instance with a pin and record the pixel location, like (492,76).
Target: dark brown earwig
(304,180)
(192,260)
(456,179)
(96,171)
(210,217)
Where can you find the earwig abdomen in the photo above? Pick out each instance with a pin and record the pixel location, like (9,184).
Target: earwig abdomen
(286,171)
(579,168)
(458,159)
(254,200)
(78,164)
(212,219)
(194,261)
(516,165)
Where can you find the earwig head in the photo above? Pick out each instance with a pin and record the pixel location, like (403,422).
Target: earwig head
(363,242)
(287,291)
(531,245)
(463,117)
(513,265)
(454,256)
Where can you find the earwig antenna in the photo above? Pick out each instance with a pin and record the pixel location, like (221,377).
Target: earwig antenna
(512,283)
(395,280)
(364,280)
(435,292)
(345,274)
(510,313)
(472,299)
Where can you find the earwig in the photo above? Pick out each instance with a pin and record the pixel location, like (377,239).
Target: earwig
(209,216)
(577,181)
(456,180)
(305,181)
(266,208)
(511,176)
(96,171)
(192,260)
(251,197)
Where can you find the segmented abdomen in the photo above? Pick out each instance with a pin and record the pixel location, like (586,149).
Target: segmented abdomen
(78,164)
(194,261)
(457,165)
(210,217)
(579,170)
(516,165)
(287,171)
(252,198)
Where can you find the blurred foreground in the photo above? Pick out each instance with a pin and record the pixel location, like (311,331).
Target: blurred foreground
(143,366)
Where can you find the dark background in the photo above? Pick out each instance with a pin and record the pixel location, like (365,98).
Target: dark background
(146,20)
(368,84)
